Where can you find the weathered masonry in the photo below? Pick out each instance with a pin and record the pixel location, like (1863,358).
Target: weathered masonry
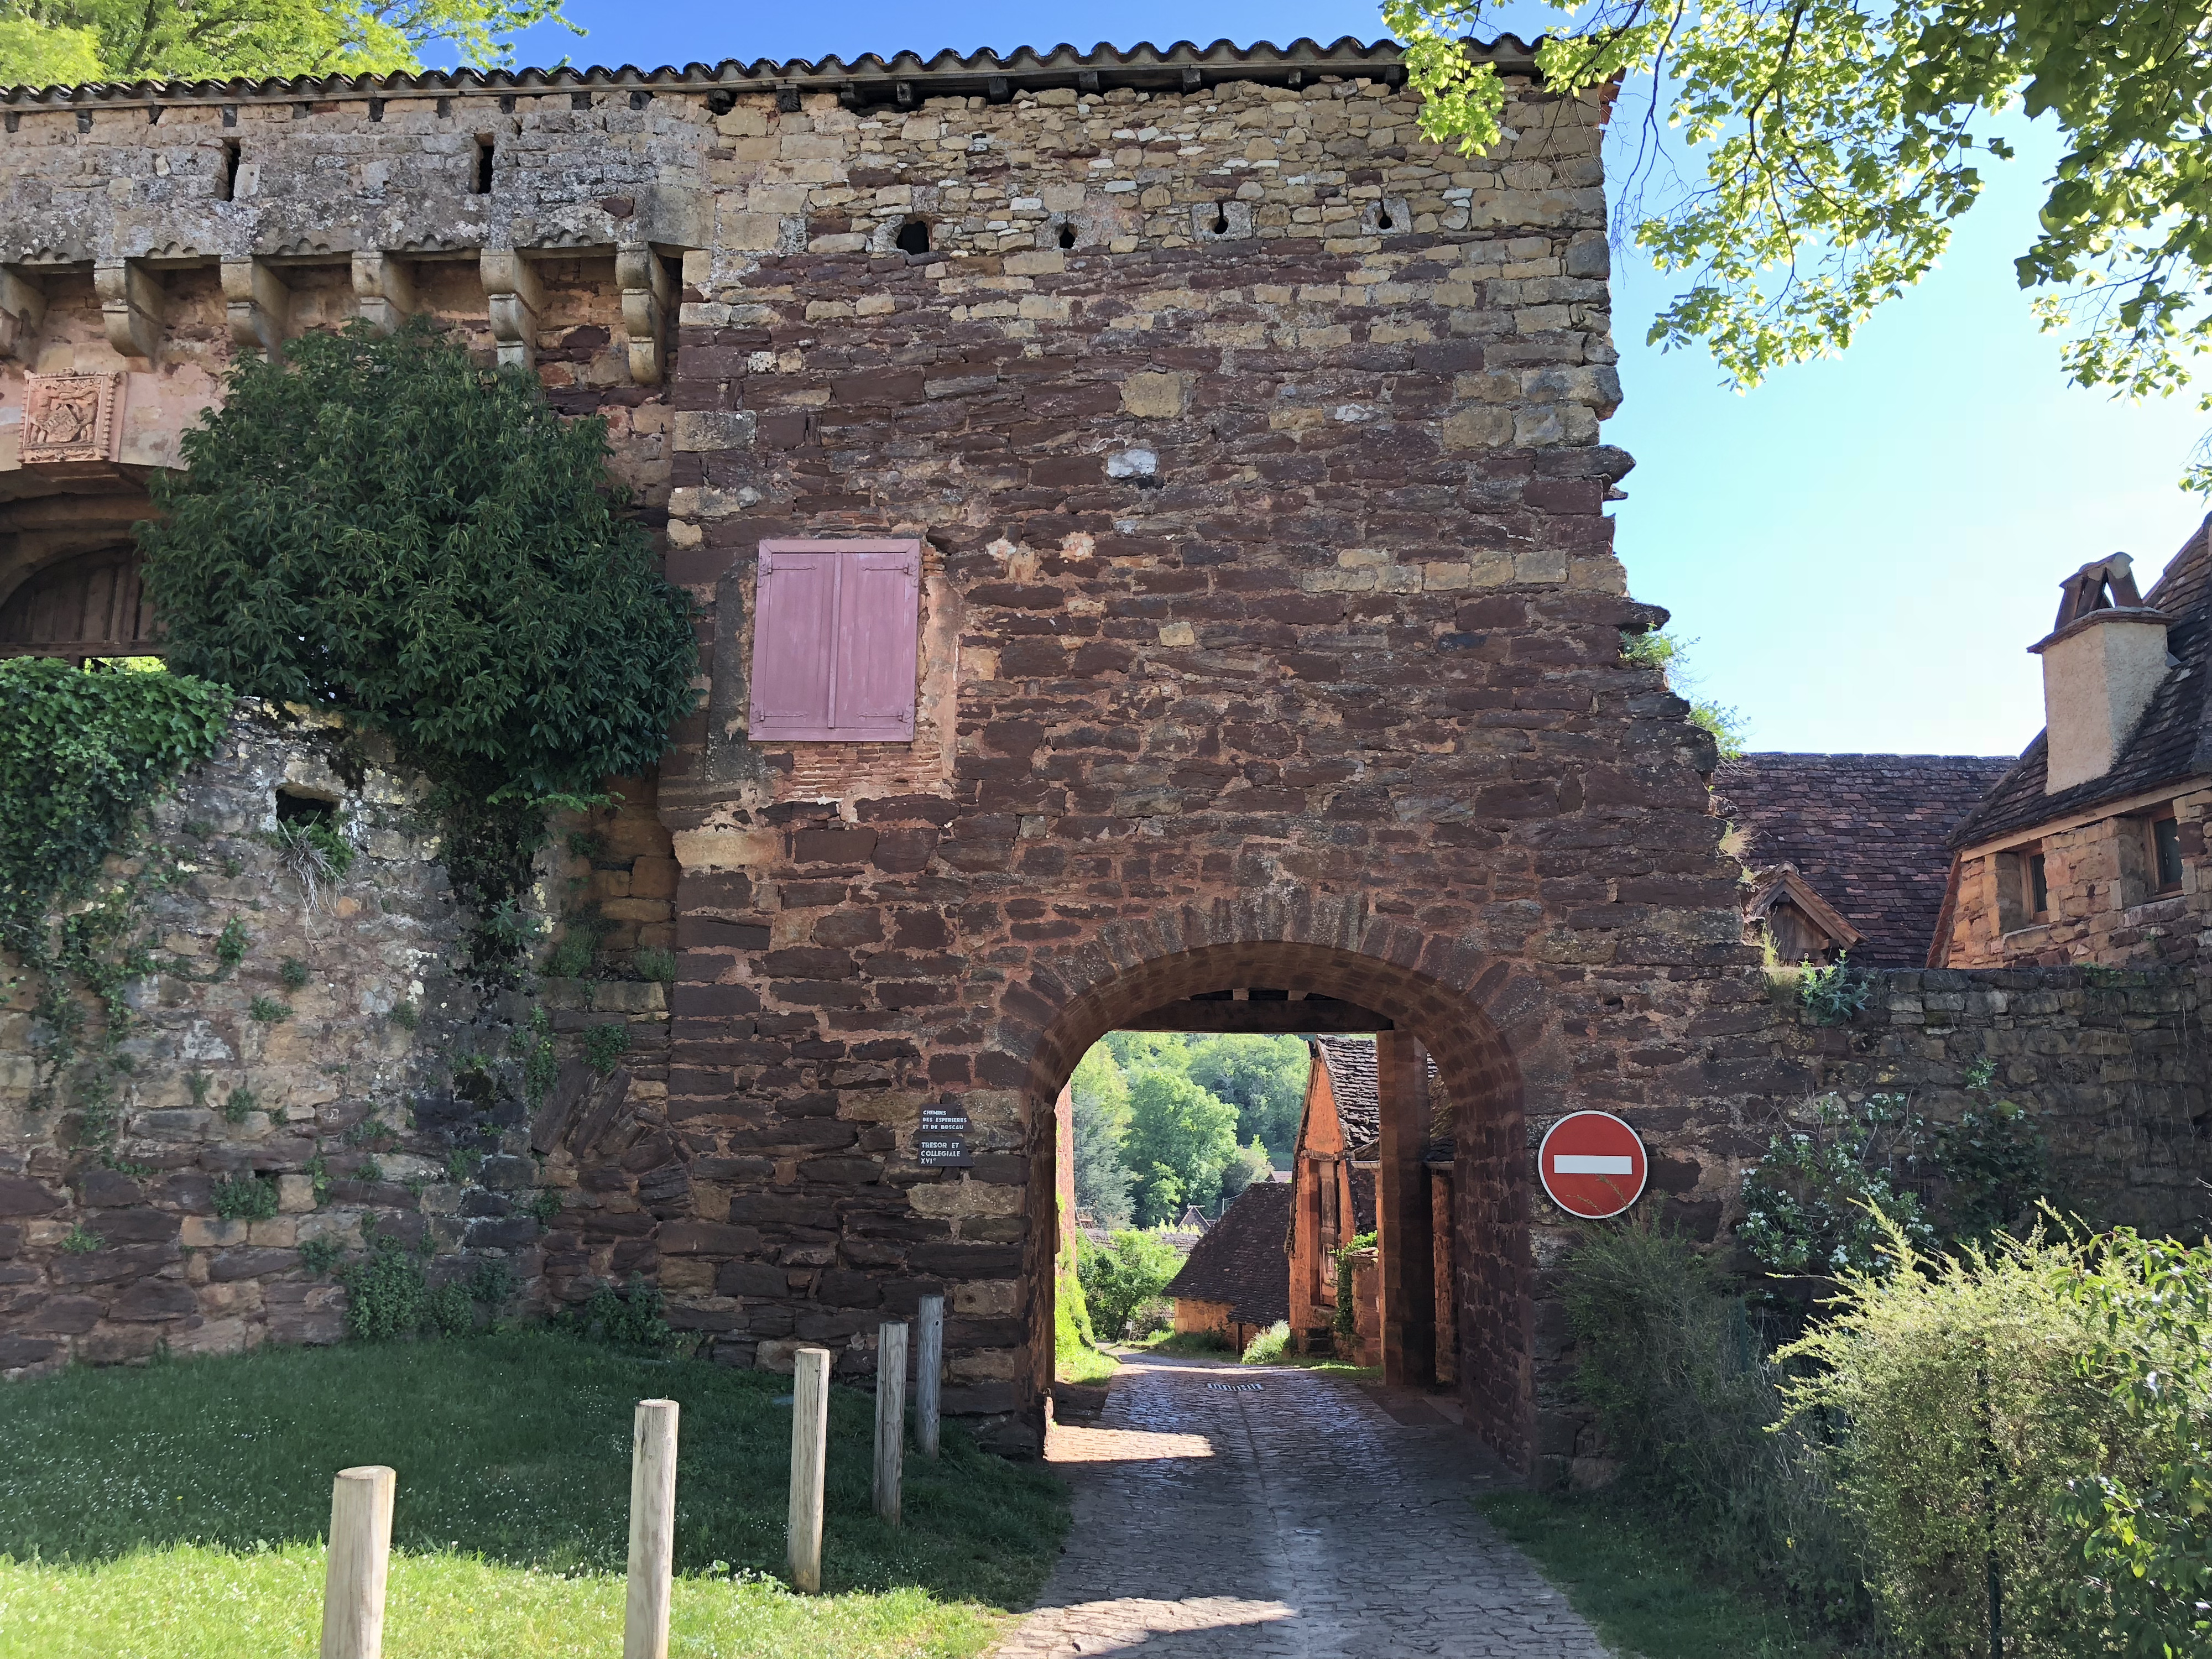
(1148,511)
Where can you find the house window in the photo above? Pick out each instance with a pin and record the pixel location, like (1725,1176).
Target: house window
(2166,852)
(2023,891)
(837,631)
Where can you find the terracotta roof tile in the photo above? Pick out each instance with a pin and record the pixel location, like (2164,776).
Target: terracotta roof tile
(1868,833)
(2174,740)
(1244,1258)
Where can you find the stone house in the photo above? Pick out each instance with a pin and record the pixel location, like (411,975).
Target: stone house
(1335,1163)
(1231,1284)
(2091,848)
(1847,855)
(1147,512)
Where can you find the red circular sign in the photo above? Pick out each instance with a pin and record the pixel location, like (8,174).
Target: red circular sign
(1592,1165)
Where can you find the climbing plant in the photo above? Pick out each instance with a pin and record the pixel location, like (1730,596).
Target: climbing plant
(83,753)
(378,524)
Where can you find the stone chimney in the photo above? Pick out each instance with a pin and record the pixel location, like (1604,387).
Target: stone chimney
(2101,663)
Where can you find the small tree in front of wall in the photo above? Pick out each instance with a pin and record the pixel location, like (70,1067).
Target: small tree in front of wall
(379,525)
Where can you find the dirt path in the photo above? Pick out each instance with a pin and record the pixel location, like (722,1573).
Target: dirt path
(1298,1521)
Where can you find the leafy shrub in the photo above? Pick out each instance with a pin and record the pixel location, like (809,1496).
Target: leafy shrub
(377,525)
(1073,1333)
(656,964)
(1833,995)
(1346,1320)
(80,1240)
(1820,1200)
(1270,1345)
(389,1294)
(230,945)
(1153,1315)
(244,1198)
(543,1208)
(2034,1413)
(1687,1396)
(269,1011)
(239,1103)
(604,1046)
(637,1320)
(572,956)
(319,1256)
(1133,1268)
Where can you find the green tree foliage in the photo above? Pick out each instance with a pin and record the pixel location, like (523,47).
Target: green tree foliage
(1134,1267)
(2037,1411)
(1179,1140)
(1248,1164)
(69,42)
(1263,1076)
(1100,1105)
(379,525)
(1842,142)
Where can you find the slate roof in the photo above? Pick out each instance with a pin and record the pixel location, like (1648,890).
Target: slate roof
(869,78)
(1351,1063)
(1352,1076)
(1243,1258)
(2174,740)
(1870,833)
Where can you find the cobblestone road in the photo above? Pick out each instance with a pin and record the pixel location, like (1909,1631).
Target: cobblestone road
(1298,1522)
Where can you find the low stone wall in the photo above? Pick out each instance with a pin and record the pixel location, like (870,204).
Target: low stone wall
(2111,1062)
(344,1058)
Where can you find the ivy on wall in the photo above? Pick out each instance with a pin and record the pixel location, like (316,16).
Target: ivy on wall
(83,753)
(379,525)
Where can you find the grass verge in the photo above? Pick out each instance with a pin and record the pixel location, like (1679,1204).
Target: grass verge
(1086,1365)
(1647,1591)
(176,1510)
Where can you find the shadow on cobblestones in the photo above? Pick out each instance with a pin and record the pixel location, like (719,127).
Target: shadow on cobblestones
(1311,1517)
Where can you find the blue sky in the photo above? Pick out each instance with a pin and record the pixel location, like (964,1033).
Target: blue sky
(1863,548)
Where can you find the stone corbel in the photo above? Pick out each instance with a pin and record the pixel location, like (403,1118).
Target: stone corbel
(132,303)
(22,307)
(259,305)
(385,285)
(646,294)
(516,303)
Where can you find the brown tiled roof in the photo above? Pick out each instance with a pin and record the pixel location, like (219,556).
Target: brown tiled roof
(1868,833)
(2174,741)
(1351,1062)
(869,78)
(1244,1260)
(1352,1077)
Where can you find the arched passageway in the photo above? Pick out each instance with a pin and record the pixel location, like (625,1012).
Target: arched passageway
(1291,986)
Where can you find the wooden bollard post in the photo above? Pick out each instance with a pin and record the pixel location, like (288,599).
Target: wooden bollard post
(810,1446)
(890,1418)
(652,1529)
(360,1557)
(928,1360)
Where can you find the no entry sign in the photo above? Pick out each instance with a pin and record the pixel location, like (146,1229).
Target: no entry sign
(1592,1165)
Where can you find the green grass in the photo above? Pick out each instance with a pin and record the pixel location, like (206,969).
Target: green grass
(1202,1345)
(1086,1365)
(1648,1591)
(175,1511)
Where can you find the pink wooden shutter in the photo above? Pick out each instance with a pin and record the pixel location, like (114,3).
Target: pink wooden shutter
(878,622)
(794,630)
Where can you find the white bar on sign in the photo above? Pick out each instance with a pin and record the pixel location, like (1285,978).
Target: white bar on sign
(1586,1163)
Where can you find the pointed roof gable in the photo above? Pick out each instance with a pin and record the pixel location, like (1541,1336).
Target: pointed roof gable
(1244,1260)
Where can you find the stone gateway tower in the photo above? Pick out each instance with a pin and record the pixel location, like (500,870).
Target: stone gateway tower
(1147,511)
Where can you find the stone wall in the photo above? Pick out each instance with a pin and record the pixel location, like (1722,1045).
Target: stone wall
(346,1058)
(2111,1063)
